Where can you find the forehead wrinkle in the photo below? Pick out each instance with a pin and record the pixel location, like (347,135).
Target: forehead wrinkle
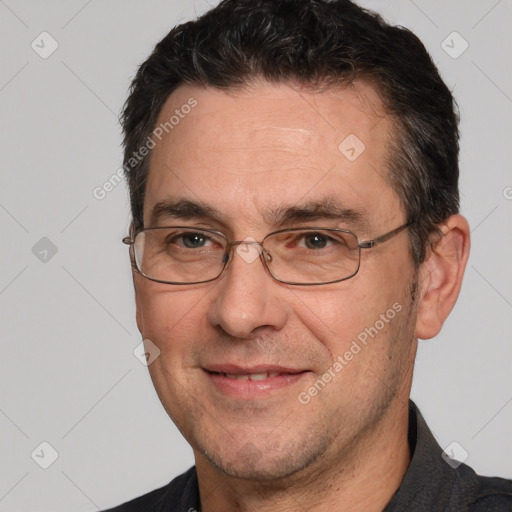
(299,150)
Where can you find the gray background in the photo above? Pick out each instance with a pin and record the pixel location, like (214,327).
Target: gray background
(68,375)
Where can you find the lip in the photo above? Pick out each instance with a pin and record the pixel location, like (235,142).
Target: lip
(242,370)
(246,389)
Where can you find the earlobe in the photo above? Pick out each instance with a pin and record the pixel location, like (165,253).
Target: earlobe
(440,277)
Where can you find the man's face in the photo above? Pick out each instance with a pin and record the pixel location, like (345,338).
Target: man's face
(258,158)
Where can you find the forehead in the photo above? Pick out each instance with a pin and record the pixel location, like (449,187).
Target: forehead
(245,151)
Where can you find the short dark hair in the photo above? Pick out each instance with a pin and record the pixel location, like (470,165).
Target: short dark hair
(313,43)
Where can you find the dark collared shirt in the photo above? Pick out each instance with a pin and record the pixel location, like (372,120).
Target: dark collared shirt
(429,485)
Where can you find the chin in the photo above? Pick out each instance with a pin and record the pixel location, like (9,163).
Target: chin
(265,461)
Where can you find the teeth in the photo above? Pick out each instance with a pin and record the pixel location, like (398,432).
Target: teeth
(251,376)
(258,376)
(236,376)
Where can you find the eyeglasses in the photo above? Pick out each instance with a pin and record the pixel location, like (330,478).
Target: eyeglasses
(297,256)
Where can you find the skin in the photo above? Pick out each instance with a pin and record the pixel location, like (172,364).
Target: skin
(242,153)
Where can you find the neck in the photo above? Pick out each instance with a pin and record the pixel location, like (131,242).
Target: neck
(363,477)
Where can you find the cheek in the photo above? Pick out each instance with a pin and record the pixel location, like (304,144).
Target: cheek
(356,311)
(335,316)
(365,337)
(172,318)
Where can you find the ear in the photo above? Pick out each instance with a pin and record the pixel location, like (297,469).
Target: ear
(440,276)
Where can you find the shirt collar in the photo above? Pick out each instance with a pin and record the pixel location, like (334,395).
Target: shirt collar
(430,484)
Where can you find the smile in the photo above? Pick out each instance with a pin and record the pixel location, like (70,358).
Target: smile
(244,383)
(251,376)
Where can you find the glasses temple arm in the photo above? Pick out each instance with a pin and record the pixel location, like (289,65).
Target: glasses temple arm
(368,244)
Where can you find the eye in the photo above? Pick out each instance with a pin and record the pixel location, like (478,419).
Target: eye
(194,240)
(316,240)
(190,240)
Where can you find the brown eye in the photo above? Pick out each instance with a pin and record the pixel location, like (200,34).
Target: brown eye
(315,241)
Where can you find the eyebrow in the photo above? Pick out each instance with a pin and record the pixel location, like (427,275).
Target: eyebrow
(323,209)
(182,209)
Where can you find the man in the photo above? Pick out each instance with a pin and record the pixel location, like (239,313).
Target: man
(293,171)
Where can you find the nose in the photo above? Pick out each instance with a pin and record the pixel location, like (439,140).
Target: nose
(246,296)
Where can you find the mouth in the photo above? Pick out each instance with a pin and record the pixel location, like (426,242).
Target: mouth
(252,382)
(249,376)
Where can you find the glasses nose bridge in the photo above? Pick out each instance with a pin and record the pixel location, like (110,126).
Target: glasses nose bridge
(240,242)
(264,255)
(235,243)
